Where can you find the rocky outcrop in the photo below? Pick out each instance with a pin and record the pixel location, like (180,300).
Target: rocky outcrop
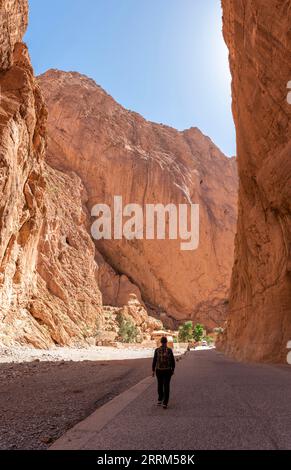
(133,312)
(116,288)
(13,24)
(41,275)
(22,143)
(117,152)
(258,36)
(67,301)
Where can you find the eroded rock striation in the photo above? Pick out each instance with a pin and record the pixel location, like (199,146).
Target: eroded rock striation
(258,36)
(14,19)
(50,271)
(54,281)
(39,279)
(66,298)
(117,152)
(22,144)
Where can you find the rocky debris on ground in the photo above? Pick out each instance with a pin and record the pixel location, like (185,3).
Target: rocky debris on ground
(40,401)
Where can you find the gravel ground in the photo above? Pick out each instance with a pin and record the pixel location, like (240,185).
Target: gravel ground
(41,400)
(43,393)
(96,353)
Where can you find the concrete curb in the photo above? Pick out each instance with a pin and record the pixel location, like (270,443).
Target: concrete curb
(77,437)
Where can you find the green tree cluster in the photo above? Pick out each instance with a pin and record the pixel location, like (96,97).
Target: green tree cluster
(188,333)
(127,332)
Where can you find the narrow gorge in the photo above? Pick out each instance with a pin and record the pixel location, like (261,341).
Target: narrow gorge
(65,145)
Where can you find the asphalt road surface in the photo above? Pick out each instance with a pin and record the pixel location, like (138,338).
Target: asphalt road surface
(215,403)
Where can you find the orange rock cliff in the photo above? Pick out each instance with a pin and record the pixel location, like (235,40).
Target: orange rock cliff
(55,280)
(117,152)
(49,276)
(258,36)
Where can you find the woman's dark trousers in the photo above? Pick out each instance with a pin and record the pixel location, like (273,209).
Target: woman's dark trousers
(164,379)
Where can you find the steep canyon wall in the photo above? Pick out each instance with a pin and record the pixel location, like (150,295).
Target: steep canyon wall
(258,35)
(117,152)
(54,280)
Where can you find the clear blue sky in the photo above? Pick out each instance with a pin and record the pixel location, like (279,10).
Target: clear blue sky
(165,59)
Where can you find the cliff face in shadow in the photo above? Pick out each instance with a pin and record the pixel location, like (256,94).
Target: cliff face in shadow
(258,36)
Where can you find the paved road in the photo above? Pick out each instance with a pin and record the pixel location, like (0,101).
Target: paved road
(216,403)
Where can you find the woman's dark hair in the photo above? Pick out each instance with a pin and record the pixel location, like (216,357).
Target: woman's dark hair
(164,340)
